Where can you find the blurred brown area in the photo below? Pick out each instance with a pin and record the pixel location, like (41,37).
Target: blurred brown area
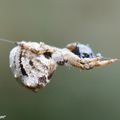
(72,94)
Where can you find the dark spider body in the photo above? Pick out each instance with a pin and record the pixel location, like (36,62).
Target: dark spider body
(81,50)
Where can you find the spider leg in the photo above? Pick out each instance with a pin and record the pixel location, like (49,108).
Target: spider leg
(88,60)
(37,48)
(86,63)
(103,62)
(98,63)
(83,63)
(92,64)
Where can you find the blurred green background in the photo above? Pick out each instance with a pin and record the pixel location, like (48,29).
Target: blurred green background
(72,94)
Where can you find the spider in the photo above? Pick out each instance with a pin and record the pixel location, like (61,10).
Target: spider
(33,64)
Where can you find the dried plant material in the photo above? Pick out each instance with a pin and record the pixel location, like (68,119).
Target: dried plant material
(33,64)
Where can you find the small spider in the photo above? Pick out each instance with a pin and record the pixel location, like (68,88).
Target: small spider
(33,64)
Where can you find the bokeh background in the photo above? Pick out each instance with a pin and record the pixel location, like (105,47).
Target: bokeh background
(72,94)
